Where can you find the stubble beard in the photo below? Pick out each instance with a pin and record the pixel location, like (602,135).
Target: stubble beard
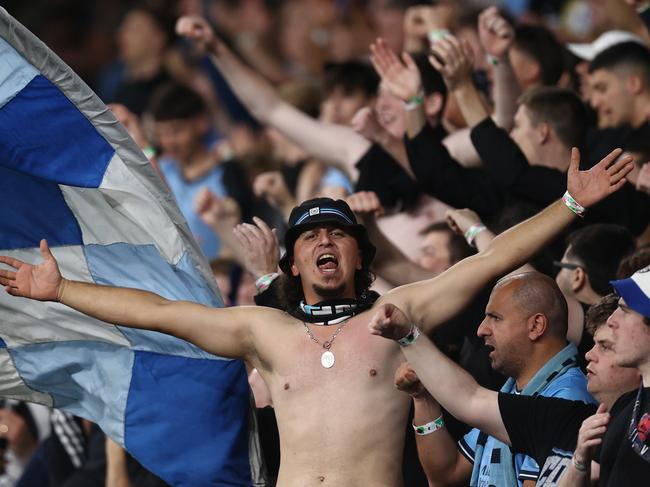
(329,293)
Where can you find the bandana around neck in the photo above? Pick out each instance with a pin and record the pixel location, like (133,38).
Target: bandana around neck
(333,311)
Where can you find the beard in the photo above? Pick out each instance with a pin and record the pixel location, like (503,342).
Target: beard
(329,293)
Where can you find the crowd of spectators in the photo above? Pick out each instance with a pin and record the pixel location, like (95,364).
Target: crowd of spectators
(442,124)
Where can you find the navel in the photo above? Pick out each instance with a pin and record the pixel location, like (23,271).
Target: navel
(286,386)
(321,478)
(372,372)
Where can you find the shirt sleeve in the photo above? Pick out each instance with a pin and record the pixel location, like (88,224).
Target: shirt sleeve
(467,444)
(508,168)
(442,177)
(537,424)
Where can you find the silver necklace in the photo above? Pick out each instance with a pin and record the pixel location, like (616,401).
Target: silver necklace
(327,358)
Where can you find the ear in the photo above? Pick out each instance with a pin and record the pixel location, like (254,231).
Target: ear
(543,132)
(578,279)
(433,104)
(634,84)
(537,325)
(294,269)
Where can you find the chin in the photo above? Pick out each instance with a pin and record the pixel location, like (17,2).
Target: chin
(329,292)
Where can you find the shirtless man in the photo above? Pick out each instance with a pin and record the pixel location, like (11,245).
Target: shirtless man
(340,418)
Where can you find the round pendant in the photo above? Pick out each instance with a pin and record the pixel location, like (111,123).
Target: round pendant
(327,359)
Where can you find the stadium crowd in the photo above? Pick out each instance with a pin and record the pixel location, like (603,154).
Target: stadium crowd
(458,189)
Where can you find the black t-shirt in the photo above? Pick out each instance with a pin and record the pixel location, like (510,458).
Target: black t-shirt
(545,428)
(619,464)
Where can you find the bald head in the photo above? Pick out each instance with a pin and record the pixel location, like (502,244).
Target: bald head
(536,293)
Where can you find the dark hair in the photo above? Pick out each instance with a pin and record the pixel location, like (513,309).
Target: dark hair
(599,249)
(432,81)
(290,291)
(160,12)
(173,101)
(562,109)
(541,44)
(625,55)
(538,293)
(598,313)
(352,77)
(638,259)
(638,143)
(457,246)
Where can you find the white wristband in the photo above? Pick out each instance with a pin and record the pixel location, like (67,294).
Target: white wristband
(427,429)
(411,338)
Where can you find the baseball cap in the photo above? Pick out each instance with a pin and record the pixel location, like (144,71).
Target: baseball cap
(325,211)
(635,291)
(589,50)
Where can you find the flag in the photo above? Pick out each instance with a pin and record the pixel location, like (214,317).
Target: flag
(70,173)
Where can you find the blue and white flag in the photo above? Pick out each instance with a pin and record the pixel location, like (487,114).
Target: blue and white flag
(70,173)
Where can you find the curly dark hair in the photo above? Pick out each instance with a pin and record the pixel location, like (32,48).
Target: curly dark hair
(290,290)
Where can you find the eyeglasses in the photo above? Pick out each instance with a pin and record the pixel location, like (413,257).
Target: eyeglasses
(565,265)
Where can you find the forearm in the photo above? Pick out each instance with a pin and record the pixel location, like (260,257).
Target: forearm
(416,119)
(120,306)
(437,451)
(336,144)
(470,103)
(575,478)
(455,389)
(506,94)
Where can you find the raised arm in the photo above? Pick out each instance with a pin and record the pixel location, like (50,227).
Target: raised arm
(447,382)
(429,303)
(223,331)
(439,456)
(336,144)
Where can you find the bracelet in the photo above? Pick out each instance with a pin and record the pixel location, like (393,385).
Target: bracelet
(580,467)
(411,338)
(149,152)
(263,283)
(427,429)
(573,205)
(472,232)
(414,102)
(437,34)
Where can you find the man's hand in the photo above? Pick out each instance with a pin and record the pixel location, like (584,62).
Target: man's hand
(461,220)
(421,19)
(643,179)
(42,282)
(608,176)
(271,186)
(220,214)
(454,59)
(406,380)
(403,80)
(365,123)
(365,204)
(495,33)
(199,32)
(259,247)
(389,322)
(591,435)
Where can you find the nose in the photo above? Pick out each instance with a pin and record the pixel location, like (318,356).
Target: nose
(590,355)
(324,237)
(483,329)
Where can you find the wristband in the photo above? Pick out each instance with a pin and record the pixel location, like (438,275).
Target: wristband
(573,205)
(411,338)
(414,102)
(580,467)
(263,283)
(149,152)
(437,34)
(427,429)
(472,232)
(493,61)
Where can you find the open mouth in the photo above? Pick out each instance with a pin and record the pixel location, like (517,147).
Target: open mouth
(327,263)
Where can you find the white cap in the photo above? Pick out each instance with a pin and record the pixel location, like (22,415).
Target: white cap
(635,291)
(588,51)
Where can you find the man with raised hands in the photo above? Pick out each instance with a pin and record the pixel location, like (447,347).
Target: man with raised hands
(340,418)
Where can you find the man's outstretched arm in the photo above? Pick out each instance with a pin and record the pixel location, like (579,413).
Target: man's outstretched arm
(429,303)
(336,144)
(224,331)
(454,388)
